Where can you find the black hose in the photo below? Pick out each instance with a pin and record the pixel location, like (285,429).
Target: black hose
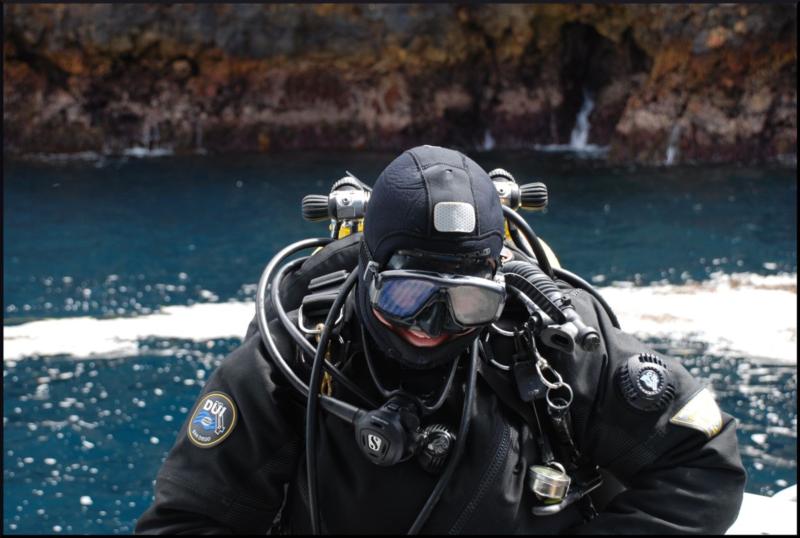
(530,235)
(568,277)
(535,276)
(518,241)
(531,280)
(389,393)
(339,408)
(547,295)
(428,409)
(577,282)
(304,345)
(461,440)
(313,400)
(300,340)
(386,393)
(261,304)
(523,297)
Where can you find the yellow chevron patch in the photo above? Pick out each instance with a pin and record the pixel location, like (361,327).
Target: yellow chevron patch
(700,413)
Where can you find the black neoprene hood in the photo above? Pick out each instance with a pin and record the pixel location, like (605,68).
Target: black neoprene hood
(421,201)
(432,199)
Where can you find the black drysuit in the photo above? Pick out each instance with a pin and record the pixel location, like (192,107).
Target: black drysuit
(677,479)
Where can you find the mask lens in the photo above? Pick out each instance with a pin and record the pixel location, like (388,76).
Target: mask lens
(403,297)
(474,305)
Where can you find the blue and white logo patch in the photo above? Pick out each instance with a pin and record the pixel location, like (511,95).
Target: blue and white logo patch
(212,420)
(651,381)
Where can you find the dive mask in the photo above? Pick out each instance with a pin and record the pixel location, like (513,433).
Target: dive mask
(436,302)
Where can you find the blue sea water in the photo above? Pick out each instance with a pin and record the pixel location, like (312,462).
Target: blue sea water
(118,238)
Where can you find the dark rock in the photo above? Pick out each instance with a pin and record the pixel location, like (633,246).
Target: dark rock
(712,82)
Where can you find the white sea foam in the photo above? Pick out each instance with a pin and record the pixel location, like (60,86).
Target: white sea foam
(140,152)
(115,337)
(143,152)
(738,314)
(588,150)
(743,315)
(65,157)
(765,515)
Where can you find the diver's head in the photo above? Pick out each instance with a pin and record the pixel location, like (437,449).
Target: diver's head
(433,232)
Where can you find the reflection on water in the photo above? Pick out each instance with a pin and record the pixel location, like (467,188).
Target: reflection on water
(96,429)
(132,236)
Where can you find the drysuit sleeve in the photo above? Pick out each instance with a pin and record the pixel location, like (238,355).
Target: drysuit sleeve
(235,483)
(680,464)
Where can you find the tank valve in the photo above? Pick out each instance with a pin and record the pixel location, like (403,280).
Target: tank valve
(347,200)
(530,196)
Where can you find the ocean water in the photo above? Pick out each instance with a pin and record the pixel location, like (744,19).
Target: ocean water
(127,280)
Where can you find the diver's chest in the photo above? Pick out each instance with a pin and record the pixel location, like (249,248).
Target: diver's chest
(487,492)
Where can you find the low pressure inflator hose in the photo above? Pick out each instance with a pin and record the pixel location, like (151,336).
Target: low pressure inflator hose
(545,293)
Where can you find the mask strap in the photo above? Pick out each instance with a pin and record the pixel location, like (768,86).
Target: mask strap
(371,265)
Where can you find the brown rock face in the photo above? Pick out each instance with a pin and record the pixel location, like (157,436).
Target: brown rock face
(695,82)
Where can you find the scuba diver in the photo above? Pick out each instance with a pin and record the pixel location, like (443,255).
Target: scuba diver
(430,368)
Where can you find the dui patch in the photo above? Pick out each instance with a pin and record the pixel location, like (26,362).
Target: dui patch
(212,420)
(701,413)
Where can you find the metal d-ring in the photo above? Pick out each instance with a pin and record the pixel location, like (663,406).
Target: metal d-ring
(314,331)
(542,365)
(557,466)
(550,401)
(502,332)
(493,361)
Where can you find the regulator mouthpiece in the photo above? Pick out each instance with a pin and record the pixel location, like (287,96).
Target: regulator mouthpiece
(388,435)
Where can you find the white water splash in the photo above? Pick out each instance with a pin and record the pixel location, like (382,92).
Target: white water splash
(580,133)
(579,137)
(143,152)
(488,141)
(672,145)
(741,315)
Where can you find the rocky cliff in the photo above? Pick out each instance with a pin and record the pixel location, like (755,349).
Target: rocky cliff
(681,83)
